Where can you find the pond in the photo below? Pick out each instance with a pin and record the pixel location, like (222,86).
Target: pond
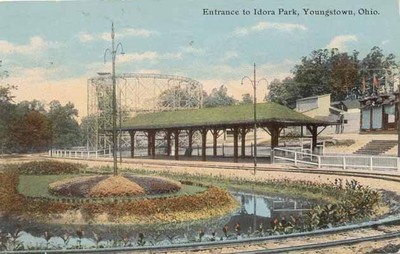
(255,211)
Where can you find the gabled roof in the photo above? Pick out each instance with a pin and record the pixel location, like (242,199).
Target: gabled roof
(346,104)
(313,97)
(220,117)
(351,104)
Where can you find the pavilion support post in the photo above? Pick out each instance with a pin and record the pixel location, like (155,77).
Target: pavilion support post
(132,135)
(153,144)
(243,132)
(176,136)
(235,143)
(274,132)
(149,140)
(216,134)
(190,139)
(314,132)
(203,132)
(168,138)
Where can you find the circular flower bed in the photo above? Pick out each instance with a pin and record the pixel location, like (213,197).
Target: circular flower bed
(113,186)
(71,206)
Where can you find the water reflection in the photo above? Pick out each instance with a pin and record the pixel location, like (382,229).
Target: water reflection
(255,211)
(261,210)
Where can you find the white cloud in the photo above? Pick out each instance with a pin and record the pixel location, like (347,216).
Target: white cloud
(261,26)
(35,44)
(229,55)
(85,37)
(192,50)
(384,42)
(136,32)
(128,32)
(134,57)
(148,55)
(95,67)
(340,41)
(152,71)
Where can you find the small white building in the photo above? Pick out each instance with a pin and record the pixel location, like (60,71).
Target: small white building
(314,106)
(346,113)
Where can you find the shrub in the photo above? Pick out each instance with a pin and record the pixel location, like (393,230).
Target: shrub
(47,167)
(359,202)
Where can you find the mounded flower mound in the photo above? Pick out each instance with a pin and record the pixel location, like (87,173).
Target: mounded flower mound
(126,185)
(116,186)
(125,199)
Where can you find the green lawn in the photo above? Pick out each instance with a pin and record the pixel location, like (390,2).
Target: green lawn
(36,185)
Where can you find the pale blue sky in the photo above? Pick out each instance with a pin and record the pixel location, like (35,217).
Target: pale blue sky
(51,48)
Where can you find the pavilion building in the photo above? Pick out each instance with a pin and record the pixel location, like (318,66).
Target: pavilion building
(238,119)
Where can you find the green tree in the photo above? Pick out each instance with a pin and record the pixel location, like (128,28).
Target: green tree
(284,92)
(7,114)
(87,127)
(345,75)
(25,106)
(375,63)
(329,71)
(177,97)
(64,127)
(326,71)
(218,97)
(31,133)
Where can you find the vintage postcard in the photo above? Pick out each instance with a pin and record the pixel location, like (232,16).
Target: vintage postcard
(180,126)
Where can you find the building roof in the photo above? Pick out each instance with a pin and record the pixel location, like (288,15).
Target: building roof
(351,104)
(346,104)
(335,110)
(228,116)
(313,97)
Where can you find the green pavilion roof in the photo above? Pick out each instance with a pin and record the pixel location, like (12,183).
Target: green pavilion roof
(267,113)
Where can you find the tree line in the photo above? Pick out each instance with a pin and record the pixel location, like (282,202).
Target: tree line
(343,75)
(30,126)
(218,97)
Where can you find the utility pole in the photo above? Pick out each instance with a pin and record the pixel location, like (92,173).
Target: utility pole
(113,53)
(398,117)
(254,83)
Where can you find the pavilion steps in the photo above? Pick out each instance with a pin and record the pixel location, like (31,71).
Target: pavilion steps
(376,147)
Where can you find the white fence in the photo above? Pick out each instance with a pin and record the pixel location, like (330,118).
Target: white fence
(142,151)
(80,153)
(341,161)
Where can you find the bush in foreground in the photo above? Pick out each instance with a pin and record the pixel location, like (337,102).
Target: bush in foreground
(48,167)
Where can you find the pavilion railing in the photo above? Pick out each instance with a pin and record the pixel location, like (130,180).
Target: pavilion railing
(142,151)
(339,161)
(222,151)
